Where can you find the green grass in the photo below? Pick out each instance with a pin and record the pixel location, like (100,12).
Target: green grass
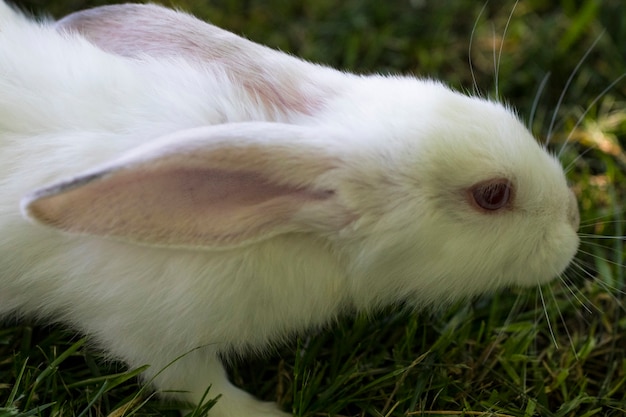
(501,355)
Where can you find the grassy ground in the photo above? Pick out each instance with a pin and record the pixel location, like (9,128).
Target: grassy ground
(561,352)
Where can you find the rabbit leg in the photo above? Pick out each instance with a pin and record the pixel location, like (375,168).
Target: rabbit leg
(193,373)
(235,402)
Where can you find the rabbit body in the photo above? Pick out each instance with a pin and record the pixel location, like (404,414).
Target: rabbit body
(180,192)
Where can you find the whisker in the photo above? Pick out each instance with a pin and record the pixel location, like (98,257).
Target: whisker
(545,310)
(566,87)
(583,273)
(594,236)
(538,94)
(569,336)
(580,271)
(610,289)
(471,42)
(495,58)
(506,28)
(602,258)
(606,286)
(582,302)
(537,318)
(601,241)
(619,246)
(582,116)
(593,255)
(596,222)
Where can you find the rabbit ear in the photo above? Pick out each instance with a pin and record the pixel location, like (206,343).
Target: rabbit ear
(135,30)
(223,185)
(276,80)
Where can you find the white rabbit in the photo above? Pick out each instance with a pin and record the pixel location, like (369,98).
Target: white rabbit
(188,188)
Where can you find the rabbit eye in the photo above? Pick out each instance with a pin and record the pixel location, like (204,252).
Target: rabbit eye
(491,195)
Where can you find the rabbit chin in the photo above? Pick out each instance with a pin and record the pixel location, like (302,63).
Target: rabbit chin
(448,274)
(545,267)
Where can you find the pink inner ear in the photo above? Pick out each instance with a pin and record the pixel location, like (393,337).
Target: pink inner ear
(182,207)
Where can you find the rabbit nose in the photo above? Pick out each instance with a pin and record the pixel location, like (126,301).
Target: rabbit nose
(573,215)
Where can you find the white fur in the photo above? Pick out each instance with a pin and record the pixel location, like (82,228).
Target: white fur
(334,192)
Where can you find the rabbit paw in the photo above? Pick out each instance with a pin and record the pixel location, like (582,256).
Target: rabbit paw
(246,407)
